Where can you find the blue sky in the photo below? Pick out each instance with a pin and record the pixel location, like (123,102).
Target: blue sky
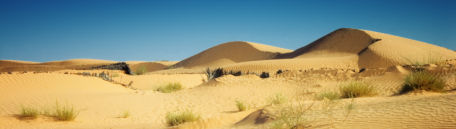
(148,30)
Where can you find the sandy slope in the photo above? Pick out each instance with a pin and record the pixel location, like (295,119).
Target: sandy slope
(231,52)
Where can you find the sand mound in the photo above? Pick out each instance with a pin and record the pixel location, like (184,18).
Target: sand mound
(15,62)
(11,65)
(374,49)
(393,50)
(340,42)
(79,62)
(147,66)
(231,52)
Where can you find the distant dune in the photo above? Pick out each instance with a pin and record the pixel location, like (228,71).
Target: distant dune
(12,65)
(231,52)
(149,66)
(79,62)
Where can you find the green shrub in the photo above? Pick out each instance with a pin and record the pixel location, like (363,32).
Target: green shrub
(29,113)
(241,106)
(171,87)
(328,95)
(422,80)
(278,99)
(356,89)
(176,118)
(65,112)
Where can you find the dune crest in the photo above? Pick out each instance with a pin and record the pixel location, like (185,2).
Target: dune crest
(231,52)
(373,48)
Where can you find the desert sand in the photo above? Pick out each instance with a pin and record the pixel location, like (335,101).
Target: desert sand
(101,95)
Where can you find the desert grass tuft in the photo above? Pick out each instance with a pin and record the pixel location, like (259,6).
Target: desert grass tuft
(65,112)
(291,117)
(277,99)
(328,95)
(29,113)
(423,80)
(240,105)
(170,87)
(356,89)
(177,118)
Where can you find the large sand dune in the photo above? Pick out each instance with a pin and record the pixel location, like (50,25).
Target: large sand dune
(353,49)
(231,52)
(373,48)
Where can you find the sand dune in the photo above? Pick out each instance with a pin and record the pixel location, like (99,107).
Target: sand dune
(12,65)
(146,66)
(394,50)
(231,52)
(9,66)
(353,49)
(79,62)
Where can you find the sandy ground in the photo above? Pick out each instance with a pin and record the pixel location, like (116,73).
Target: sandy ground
(342,56)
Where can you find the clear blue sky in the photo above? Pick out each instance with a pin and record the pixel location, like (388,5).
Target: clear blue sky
(43,30)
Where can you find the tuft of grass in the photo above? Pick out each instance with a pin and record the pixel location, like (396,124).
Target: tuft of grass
(278,99)
(356,89)
(125,114)
(422,80)
(65,112)
(328,95)
(141,70)
(177,118)
(240,105)
(171,87)
(292,117)
(29,113)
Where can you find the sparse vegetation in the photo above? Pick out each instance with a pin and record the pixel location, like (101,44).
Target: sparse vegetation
(292,117)
(171,87)
(29,113)
(141,70)
(65,112)
(278,99)
(240,105)
(213,74)
(62,113)
(356,89)
(422,80)
(177,118)
(328,95)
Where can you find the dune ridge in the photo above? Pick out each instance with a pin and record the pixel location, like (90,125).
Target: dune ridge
(348,48)
(231,52)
